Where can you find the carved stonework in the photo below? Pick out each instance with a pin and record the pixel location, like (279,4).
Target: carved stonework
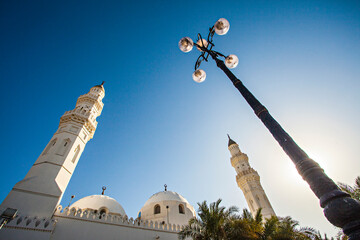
(248,181)
(44,185)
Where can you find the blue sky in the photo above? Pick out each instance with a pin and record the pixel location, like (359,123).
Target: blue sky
(300,58)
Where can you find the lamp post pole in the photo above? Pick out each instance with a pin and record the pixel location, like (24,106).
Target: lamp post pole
(339,208)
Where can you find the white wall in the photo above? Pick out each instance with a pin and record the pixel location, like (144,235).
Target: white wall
(78,224)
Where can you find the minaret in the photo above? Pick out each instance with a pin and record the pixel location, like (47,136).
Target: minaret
(41,190)
(249,182)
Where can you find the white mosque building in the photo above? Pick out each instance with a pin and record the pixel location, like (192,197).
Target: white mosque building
(33,209)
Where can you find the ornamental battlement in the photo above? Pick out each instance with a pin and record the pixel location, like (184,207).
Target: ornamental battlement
(247,172)
(81,116)
(81,113)
(90,97)
(31,223)
(91,216)
(96,100)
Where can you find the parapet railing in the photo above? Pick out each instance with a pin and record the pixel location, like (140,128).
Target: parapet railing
(31,223)
(87,215)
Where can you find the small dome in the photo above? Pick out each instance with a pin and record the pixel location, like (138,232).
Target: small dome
(97,202)
(165,196)
(167,207)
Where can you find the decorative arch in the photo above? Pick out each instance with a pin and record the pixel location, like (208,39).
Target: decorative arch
(51,144)
(102,211)
(76,153)
(258,200)
(64,147)
(251,205)
(181,209)
(157,209)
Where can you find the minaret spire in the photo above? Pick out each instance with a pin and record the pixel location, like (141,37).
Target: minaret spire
(249,181)
(41,190)
(230,141)
(101,85)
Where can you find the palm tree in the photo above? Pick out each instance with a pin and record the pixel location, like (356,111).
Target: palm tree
(238,228)
(317,236)
(255,223)
(341,236)
(211,223)
(288,229)
(276,228)
(218,223)
(270,228)
(354,192)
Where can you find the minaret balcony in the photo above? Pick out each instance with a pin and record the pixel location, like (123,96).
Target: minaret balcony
(78,114)
(90,98)
(247,172)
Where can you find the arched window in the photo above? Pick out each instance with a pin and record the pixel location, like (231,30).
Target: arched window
(63,147)
(52,143)
(157,209)
(76,154)
(181,209)
(103,211)
(251,205)
(258,201)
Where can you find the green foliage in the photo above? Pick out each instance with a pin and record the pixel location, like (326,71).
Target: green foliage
(215,222)
(218,223)
(354,192)
(211,223)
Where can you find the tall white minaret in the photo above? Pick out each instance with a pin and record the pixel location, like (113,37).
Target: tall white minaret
(249,182)
(41,190)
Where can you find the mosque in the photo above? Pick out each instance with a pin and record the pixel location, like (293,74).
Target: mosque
(31,210)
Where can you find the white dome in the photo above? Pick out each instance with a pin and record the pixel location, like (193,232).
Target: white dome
(167,207)
(165,196)
(97,202)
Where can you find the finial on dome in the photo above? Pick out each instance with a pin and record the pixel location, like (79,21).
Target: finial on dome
(231,142)
(72,197)
(165,187)
(101,85)
(103,190)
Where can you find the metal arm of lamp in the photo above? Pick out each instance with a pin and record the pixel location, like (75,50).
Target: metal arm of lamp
(339,208)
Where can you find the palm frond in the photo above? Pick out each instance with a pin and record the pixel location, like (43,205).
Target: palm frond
(258,216)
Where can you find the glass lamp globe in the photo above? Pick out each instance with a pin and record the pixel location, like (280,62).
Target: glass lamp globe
(199,76)
(186,44)
(222,26)
(231,61)
(202,43)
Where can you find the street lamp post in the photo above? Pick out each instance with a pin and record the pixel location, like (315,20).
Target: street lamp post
(339,208)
